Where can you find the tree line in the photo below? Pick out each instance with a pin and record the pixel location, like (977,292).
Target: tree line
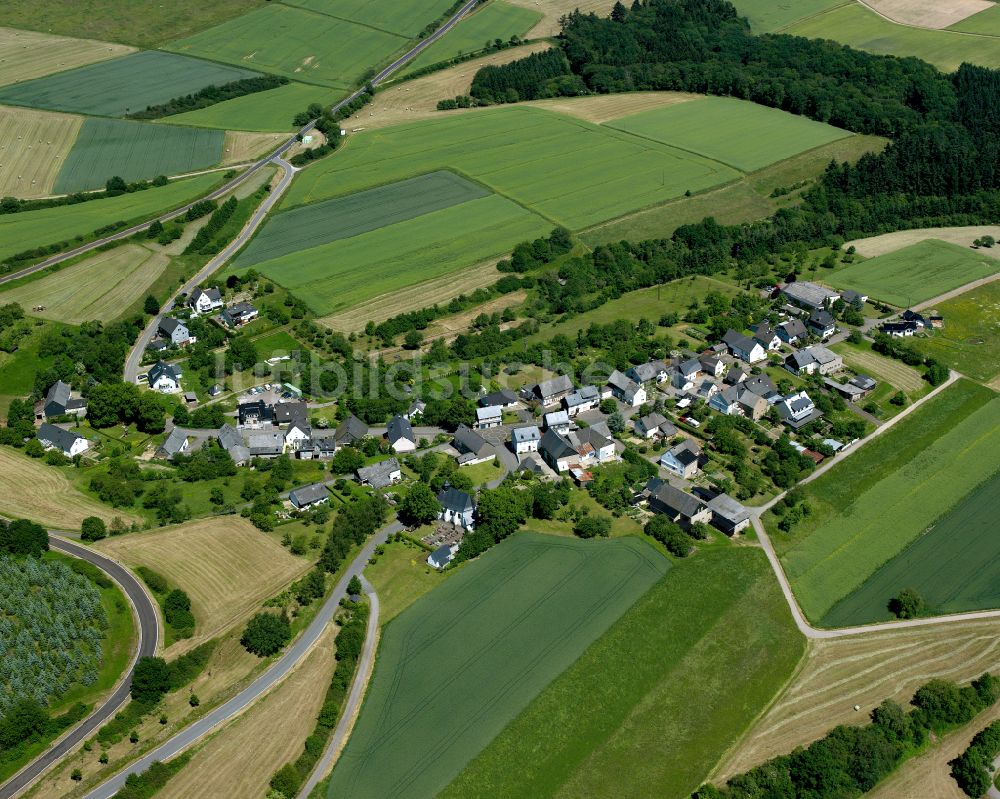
(210,95)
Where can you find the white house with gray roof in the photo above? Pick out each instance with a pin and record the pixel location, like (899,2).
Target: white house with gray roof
(380,475)
(525,439)
(583,399)
(165,377)
(682,460)
(472,448)
(307,496)
(175,331)
(175,443)
(744,347)
(68,442)
(59,401)
(549,392)
(490,416)
(231,440)
(205,300)
(626,390)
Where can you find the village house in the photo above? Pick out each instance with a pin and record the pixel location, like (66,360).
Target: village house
(900,329)
(738,400)
(626,390)
(798,410)
(175,443)
(822,324)
(728,514)
(813,360)
(59,401)
(744,347)
(793,331)
(165,377)
(399,433)
(205,300)
(580,448)
(380,475)
(556,420)
(68,442)
(442,556)
(490,416)
(549,392)
(763,386)
(809,295)
(266,443)
(525,439)
(232,442)
(712,365)
(239,314)
(472,447)
(308,496)
(291,413)
(707,390)
(318,447)
(766,336)
(735,376)
(655,371)
(505,398)
(682,459)
(416,410)
(297,436)
(583,399)
(654,424)
(175,332)
(254,414)
(457,508)
(853,298)
(855,389)
(687,373)
(350,432)
(678,506)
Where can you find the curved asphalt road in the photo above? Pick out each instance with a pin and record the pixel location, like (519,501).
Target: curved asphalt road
(145,613)
(280,669)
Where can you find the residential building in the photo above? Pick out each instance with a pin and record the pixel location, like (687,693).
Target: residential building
(580,448)
(763,386)
(253,414)
(728,514)
(175,443)
(752,405)
(766,336)
(916,317)
(655,371)
(707,390)
(734,376)
(810,295)
(205,300)
(549,392)
(583,399)
(416,410)
(68,442)
(712,365)
(626,390)
(798,410)
(232,442)
(309,495)
(297,436)
(350,432)
(318,447)
(59,401)
(165,377)
(853,298)
(490,416)
(678,506)
(654,424)
(472,447)
(793,331)
(682,459)
(814,359)
(380,475)
(900,329)
(505,398)
(442,556)
(726,401)
(822,324)
(400,435)
(525,439)
(266,443)
(175,331)
(157,346)
(239,314)
(457,508)
(558,421)
(291,413)
(744,347)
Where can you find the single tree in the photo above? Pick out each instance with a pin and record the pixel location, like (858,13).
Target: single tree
(907,604)
(420,505)
(93,529)
(266,634)
(150,680)
(354,586)
(150,305)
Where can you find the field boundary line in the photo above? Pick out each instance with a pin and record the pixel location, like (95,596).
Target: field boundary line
(346,19)
(922,27)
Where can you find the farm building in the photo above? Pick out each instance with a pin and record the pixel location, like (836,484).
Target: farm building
(291,413)
(309,495)
(266,443)
(59,401)
(68,442)
(809,295)
(380,475)
(678,506)
(457,508)
(505,398)
(728,514)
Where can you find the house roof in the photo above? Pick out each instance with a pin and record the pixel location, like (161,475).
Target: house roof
(521,434)
(58,393)
(556,418)
(686,452)
(762,385)
(730,395)
(467,440)
(601,428)
(417,406)
(821,319)
(809,293)
(379,475)
(557,385)
(899,327)
(454,500)
(738,341)
(241,309)
(652,420)
(502,397)
(709,362)
(763,332)
(168,325)
(286,412)
(676,501)
(351,429)
(213,294)
(582,396)
(556,446)
(749,399)
(864,382)
(308,494)
(801,359)
(488,413)
(174,442)
(266,442)
(57,436)
(728,508)
(441,556)
(645,372)
(399,429)
(794,328)
(162,368)
(623,383)
(232,442)
(823,355)
(735,375)
(588,437)
(689,367)
(849,296)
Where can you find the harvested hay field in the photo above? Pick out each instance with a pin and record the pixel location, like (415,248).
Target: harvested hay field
(932,14)
(30,489)
(878,366)
(241,759)
(418,98)
(97,288)
(555,9)
(963,236)
(413,298)
(240,146)
(603,108)
(27,54)
(226,566)
(838,674)
(33,148)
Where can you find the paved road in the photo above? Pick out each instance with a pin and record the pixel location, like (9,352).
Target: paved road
(354,699)
(145,614)
(264,683)
(132,363)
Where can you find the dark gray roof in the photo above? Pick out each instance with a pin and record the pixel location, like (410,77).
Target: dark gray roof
(734,375)
(57,437)
(622,382)
(266,442)
(441,556)
(728,508)
(240,309)
(801,359)
(738,341)
(213,294)
(582,396)
(651,420)
(168,325)
(454,500)
(676,501)
(556,446)
(350,430)
(530,433)
(378,475)
(502,397)
(864,381)
(399,429)
(686,452)
(173,443)
(763,332)
(645,372)
(58,394)
(163,368)
(821,319)
(793,328)
(690,367)
(809,293)
(232,442)
(761,384)
(308,494)
(560,384)
(291,412)
(467,440)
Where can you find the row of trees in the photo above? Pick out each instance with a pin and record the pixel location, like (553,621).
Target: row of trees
(210,95)
(973,769)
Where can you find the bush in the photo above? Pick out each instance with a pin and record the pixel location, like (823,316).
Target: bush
(150,680)
(266,634)
(93,529)
(156,582)
(593,526)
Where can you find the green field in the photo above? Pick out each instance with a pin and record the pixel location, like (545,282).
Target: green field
(402,18)
(650,708)
(29,229)
(113,88)
(955,567)
(399,255)
(277,342)
(970,339)
(857,26)
(263,111)
(768,16)
(135,151)
(459,664)
(986,22)
(867,509)
(321,223)
(706,126)
(915,273)
(310,47)
(498,20)
(573,172)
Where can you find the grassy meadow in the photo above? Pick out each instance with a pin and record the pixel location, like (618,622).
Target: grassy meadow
(769,16)
(113,88)
(460,663)
(916,273)
(260,111)
(402,18)
(868,508)
(706,126)
(28,229)
(970,339)
(713,634)
(135,151)
(853,24)
(986,22)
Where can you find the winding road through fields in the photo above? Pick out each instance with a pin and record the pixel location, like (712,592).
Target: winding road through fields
(147,621)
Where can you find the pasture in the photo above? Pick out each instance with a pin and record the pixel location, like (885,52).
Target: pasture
(916,273)
(321,223)
(33,148)
(27,54)
(713,634)
(986,22)
(572,172)
(29,489)
(144,23)
(29,229)
(97,288)
(498,20)
(860,27)
(402,18)
(460,663)
(954,565)
(770,16)
(135,151)
(113,88)
(403,254)
(705,126)
(401,576)
(226,565)
(260,111)
(311,47)
(870,506)
(970,340)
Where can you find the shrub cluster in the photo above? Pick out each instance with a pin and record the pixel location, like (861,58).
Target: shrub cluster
(200,243)
(972,769)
